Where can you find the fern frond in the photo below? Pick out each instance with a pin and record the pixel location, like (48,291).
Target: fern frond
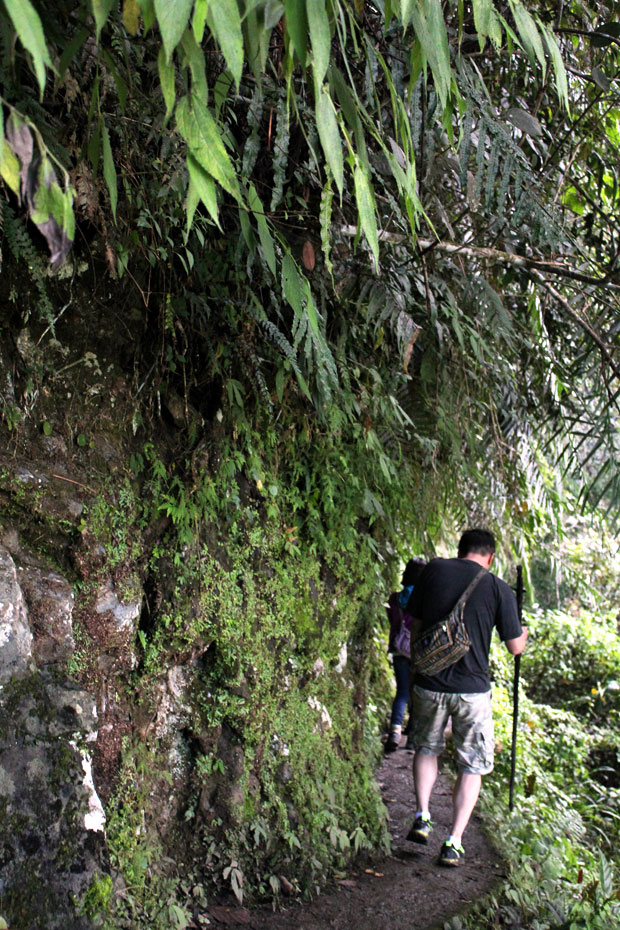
(280,151)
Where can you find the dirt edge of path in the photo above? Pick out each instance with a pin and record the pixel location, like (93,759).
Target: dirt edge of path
(406,890)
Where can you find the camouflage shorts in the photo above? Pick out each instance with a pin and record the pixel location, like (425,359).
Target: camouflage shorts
(472,727)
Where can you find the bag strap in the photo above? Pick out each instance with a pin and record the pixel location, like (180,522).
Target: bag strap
(470,587)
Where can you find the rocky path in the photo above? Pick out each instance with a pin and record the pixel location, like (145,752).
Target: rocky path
(405,891)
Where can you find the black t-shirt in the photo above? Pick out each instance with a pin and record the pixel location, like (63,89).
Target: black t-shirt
(492,603)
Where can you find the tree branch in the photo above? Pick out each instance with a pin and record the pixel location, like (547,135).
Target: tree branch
(594,336)
(494,255)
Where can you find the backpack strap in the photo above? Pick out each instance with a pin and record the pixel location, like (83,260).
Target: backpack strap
(470,587)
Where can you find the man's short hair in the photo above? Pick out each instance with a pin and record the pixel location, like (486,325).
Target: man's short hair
(479,541)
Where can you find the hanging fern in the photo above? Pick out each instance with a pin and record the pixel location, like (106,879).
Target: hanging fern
(280,150)
(24,252)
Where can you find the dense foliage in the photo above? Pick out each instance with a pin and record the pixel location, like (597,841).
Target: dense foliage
(561,841)
(227,158)
(359,260)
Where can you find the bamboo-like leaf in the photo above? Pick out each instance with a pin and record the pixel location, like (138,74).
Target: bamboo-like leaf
(529,34)
(366,205)
(101,10)
(200,131)
(225,23)
(203,186)
(487,22)
(561,80)
(166,80)
(264,235)
(28,26)
(329,134)
(172,17)
(430,29)
(109,171)
(320,36)
(297,26)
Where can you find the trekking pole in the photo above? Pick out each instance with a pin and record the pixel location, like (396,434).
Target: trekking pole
(515,693)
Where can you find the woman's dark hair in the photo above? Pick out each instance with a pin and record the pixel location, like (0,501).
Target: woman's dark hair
(413,570)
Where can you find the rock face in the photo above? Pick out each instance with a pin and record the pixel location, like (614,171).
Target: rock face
(52,841)
(15,635)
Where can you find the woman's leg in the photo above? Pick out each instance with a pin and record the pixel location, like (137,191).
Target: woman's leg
(402,667)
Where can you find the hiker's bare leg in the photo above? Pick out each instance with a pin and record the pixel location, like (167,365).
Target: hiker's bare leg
(464,797)
(424,777)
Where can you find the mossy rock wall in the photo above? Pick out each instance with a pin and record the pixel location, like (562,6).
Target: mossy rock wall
(231,665)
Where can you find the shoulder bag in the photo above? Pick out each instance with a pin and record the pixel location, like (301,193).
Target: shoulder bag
(447,641)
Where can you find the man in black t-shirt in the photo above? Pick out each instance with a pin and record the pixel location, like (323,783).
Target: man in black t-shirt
(463,690)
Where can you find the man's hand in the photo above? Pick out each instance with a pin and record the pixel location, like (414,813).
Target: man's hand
(516,646)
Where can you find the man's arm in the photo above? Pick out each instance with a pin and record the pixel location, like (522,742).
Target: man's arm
(516,646)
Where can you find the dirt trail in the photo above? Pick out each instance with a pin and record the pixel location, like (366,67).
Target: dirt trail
(404,891)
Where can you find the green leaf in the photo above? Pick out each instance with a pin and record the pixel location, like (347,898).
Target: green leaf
(365,198)
(28,26)
(561,80)
(166,80)
(172,16)
(200,131)
(191,201)
(325,216)
(9,168)
(266,239)
(320,36)
(246,230)
(406,9)
(199,19)
(297,26)
(71,49)
(291,284)
(148,13)
(101,10)
(1,132)
(225,23)
(529,34)
(430,29)
(196,60)
(329,134)
(487,22)
(109,171)
(311,308)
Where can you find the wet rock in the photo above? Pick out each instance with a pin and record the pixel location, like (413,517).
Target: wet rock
(15,634)
(52,844)
(285,773)
(49,598)
(324,722)
(123,615)
(173,710)
(52,841)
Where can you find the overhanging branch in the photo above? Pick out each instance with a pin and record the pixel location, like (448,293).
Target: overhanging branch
(486,254)
(594,336)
